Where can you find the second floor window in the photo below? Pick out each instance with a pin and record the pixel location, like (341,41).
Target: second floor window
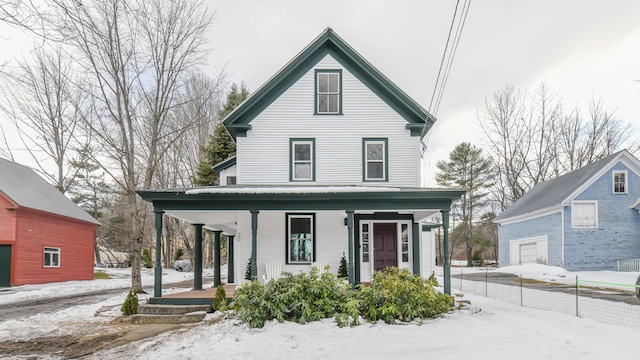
(328,91)
(374,160)
(302,160)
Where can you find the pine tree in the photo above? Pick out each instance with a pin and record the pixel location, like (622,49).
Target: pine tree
(343,270)
(220,146)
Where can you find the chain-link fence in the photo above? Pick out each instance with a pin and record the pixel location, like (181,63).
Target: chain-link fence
(605,302)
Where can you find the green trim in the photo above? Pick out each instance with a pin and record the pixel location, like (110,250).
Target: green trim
(313,159)
(379,216)
(254,243)
(230,260)
(313,237)
(328,43)
(224,165)
(315,90)
(180,301)
(415,247)
(364,159)
(404,199)
(197,257)
(429,226)
(157,281)
(217,278)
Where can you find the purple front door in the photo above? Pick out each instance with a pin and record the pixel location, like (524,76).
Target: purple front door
(385,237)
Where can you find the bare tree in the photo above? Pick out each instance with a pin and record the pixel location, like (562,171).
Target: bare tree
(136,54)
(531,139)
(44,105)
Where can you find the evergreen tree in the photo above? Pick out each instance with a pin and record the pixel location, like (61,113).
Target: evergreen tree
(469,169)
(343,271)
(220,146)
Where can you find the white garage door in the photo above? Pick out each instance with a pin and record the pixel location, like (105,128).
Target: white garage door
(529,253)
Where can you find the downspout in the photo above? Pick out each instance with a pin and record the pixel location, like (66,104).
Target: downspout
(562,238)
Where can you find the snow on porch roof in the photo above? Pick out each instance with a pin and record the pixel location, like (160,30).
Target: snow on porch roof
(288,189)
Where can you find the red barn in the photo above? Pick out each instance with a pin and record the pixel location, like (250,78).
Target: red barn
(44,236)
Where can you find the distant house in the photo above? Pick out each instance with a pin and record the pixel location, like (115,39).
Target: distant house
(327,163)
(44,236)
(584,220)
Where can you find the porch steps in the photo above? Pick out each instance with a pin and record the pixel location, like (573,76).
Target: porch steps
(169,314)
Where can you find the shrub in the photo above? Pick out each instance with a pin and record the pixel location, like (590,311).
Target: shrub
(301,298)
(178,255)
(247,272)
(343,270)
(394,294)
(130,305)
(146,259)
(220,301)
(399,294)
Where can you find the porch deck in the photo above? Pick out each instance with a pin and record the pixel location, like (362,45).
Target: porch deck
(193,297)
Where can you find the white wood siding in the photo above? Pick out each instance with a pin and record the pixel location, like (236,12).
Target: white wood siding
(331,241)
(231,171)
(427,253)
(263,155)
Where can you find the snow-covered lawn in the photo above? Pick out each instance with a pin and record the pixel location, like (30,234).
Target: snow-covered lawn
(487,329)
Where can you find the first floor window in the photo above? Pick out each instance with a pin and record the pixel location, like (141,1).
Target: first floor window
(365,243)
(300,238)
(619,182)
(405,242)
(584,214)
(302,159)
(51,257)
(375,159)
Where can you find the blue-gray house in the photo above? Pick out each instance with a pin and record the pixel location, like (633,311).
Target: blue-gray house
(584,220)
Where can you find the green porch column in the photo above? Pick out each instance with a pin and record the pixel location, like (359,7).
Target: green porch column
(254,243)
(415,246)
(447,260)
(197,257)
(352,269)
(216,258)
(230,268)
(157,284)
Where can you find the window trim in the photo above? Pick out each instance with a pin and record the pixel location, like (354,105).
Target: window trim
(316,95)
(613,182)
(292,144)
(52,251)
(385,176)
(573,214)
(287,223)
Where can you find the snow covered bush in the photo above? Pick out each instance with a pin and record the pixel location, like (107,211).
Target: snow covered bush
(394,294)
(397,294)
(301,298)
(220,301)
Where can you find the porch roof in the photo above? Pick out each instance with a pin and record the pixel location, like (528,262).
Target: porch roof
(300,197)
(216,206)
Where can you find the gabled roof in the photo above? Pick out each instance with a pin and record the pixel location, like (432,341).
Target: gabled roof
(418,119)
(224,164)
(27,189)
(560,191)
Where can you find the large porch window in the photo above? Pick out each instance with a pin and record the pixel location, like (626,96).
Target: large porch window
(300,238)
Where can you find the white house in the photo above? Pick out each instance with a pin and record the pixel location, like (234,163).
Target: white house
(327,164)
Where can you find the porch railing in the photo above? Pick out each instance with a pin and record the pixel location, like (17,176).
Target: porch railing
(628,264)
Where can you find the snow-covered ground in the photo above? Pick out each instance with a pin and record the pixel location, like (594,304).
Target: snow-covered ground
(487,329)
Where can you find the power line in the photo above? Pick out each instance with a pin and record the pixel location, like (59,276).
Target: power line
(455,12)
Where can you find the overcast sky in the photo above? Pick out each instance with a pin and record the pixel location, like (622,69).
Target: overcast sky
(581,48)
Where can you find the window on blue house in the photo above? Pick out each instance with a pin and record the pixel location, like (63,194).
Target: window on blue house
(584,214)
(620,182)
(328,91)
(51,257)
(300,238)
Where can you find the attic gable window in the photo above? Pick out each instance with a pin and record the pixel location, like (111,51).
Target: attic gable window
(620,182)
(328,88)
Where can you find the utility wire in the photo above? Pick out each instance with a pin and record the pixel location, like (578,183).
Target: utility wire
(452,54)
(455,12)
